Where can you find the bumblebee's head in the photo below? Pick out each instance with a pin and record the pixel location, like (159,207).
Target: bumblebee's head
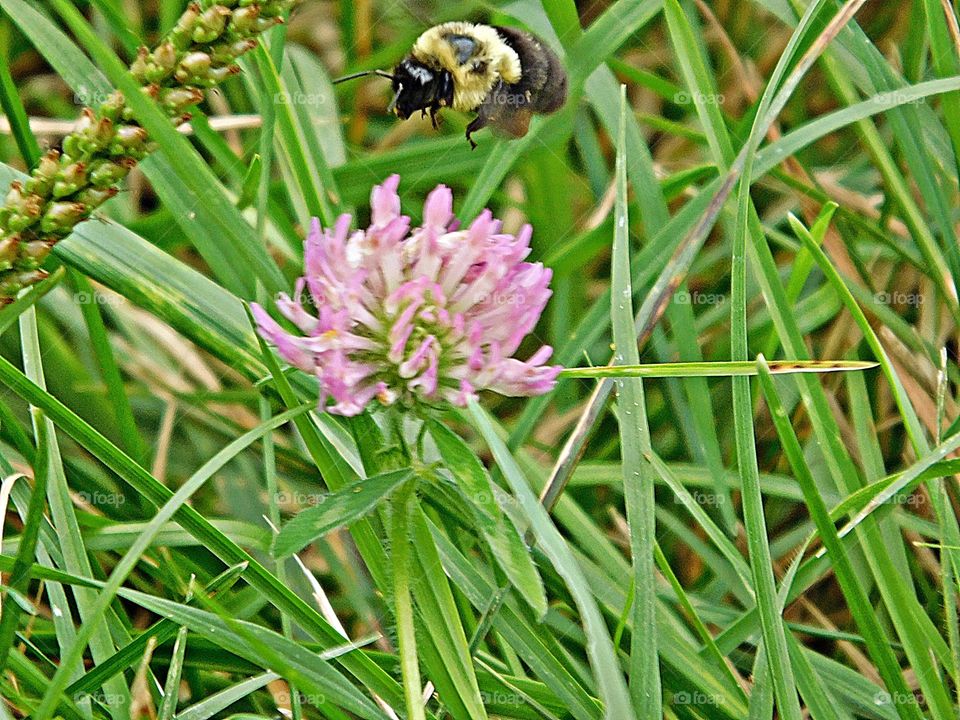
(475,56)
(417,87)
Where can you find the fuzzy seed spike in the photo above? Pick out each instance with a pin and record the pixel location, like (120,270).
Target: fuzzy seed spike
(65,188)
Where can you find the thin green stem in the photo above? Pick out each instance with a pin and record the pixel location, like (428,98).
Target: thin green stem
(403,603)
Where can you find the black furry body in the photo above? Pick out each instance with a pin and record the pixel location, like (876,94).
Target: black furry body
(542,87)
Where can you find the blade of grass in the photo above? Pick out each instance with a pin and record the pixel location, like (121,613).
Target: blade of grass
(218,702)
(503,537)
(771,621)
(710,647)
(171,687)
(537,649)
(270,477)
(11,105)
(403,605)
(160,632)
(317,193)
(132,440)
(20,575)
(310,670)
(441,619)
(945,515)
(644,666)
(736,368)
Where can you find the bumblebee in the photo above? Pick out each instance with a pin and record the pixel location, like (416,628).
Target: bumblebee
(503,74)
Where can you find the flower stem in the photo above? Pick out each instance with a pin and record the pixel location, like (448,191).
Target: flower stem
(403,603)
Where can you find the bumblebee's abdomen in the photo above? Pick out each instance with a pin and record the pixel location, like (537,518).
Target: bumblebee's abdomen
(543,80)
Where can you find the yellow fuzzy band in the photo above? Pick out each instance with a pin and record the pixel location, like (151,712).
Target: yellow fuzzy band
(495,59)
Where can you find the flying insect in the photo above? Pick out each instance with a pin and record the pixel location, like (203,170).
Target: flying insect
(503,74)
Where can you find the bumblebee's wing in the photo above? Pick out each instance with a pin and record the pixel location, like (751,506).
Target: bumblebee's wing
(506,109)
(514,122)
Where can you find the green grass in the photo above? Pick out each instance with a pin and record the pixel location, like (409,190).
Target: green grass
(750,210)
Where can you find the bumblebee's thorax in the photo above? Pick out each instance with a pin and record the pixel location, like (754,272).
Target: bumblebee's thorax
(476,57)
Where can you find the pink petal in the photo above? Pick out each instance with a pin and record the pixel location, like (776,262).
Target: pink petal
(438,208)
(384,202)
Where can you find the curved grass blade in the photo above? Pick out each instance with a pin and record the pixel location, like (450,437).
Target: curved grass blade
(503,537)
(94,632)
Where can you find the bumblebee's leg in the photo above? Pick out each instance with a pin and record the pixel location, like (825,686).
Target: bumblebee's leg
(433,116)
(478,122)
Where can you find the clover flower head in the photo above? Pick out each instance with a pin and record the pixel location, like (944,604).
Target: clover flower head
(430,315)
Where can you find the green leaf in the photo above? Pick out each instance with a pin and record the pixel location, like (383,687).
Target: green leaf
(501,535)
(340,508)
